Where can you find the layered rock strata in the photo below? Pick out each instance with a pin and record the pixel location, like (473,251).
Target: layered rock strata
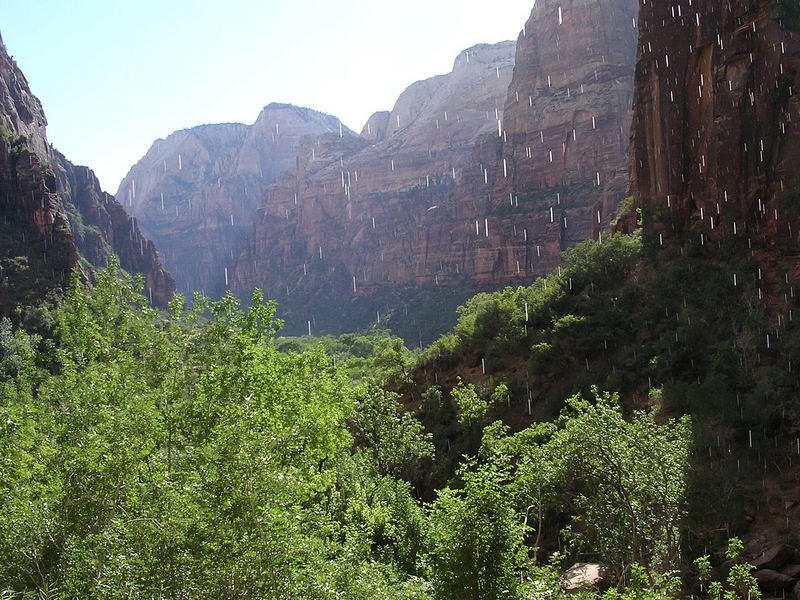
(562,170)
(354,219)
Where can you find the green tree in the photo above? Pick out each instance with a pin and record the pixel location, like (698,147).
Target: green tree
(28,494)
(475,538)
(740,583)
(395,438)
(472,409)
(182,455)
(626,481)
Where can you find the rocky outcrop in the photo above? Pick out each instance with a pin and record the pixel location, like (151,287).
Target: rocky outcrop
(53,213)
(583,577)
(715,142)
(774,558)
(475,179)
(21,113)
(772,581)
(558,171)
(101,227)
(196,193)
(791,571)
(770,569)
(37,251)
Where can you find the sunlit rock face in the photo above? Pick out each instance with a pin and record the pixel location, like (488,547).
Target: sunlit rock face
(359,218)
(715,144)
(37,251)
(22,113)
(476,179)
(53,213)
(197,192)
(395,173)
(562,170)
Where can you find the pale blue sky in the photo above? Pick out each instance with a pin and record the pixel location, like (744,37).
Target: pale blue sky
(114,76)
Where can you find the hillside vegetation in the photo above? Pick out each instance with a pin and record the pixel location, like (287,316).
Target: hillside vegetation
(689,330)
(192,454)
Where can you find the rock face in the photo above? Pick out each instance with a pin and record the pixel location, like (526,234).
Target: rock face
(475,179)
(774,558)
(36,248)
(770,571)
(563,167)
(53,213)
(715,142)
(22,112)
(101,227)
(359,216)
(37,251)
(772,581)
(791,571)
(582,577)
(196,193)
(713,163)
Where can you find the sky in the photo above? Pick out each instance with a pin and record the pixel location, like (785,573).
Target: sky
(115,75)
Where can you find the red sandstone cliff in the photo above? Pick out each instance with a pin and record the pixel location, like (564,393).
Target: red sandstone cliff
(101,227)
(21,113)
(53,213)
(715,144)
(455,185)
(342,184)
(562,171)
(196,192)
(353,218)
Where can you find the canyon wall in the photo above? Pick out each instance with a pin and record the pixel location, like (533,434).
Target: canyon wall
(101,227)
(715,143)
(196,193)
(54,215)
(348,234)
(562,171)
(475,180)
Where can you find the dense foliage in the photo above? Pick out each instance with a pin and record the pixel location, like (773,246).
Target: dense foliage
(374,355)
(694,329)
(193,454)
(149,456)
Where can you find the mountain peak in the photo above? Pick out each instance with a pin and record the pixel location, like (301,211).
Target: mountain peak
(484,54)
